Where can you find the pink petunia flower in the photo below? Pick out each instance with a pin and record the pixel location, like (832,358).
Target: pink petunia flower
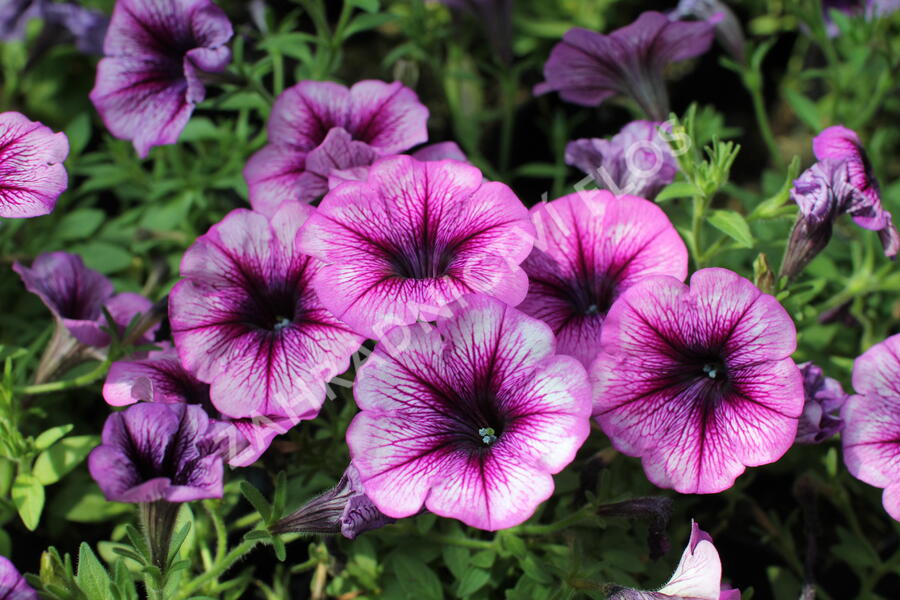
(151,78)
(414,237)
(871,434)
(591,246)
(246,318)
(32,175)
(470,417)
(317,127)
(697,380)
(12,585)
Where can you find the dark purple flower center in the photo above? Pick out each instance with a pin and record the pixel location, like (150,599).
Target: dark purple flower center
(272,307)
(424,261)
(592,296)
(479,420)
(176,461)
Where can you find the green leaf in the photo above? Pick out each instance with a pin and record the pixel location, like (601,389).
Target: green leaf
(79,224)
(456,559)
(733,225)
(371,6)
(258,501)
(28,496)
(54,463)
(51,436)
(367,22)
(535,569)
(79,133)
(472,581)
(92,578)
(416,578)
(280,496)
(483,559)
(103,256)
(679,189)
(805,108)
(177,541)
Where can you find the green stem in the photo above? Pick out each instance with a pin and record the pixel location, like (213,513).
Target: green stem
(557,526)
(56,386)
(754,86)
(219,526)
(507,120)
(217,569)
(462,542)
(698,214)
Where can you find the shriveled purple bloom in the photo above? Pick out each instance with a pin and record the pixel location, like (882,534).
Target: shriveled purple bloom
(156,54)
(76,295)
(247,320)
(636,161)
(495,17)
(344,509)
(153,451)
(697,577)
(590,247)
(12,585)
(728,28)
(414,237)
(697,380)
(824,398)
(32,175)
(587,67)
(470,417)
(871,434)
(317,127)
(160,377)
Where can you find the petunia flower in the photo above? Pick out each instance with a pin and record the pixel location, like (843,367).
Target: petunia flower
(587,67)
(697,577)
(470,417)
(160,377)
(153,451)
(157,52)
(63,21)
(697,380)
(636,161)
(871,434)
(319,126)
(343,509)
(590,247)
(495,16)
(414,237)
(824,398)
(431,152)
(32,175)
(246,319)
(728,28)
(12,585)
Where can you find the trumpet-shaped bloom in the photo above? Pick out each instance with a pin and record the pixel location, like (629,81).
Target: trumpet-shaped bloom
(317,127)
(871,434)
(470,417)
(697,577)
(636,161)
(590,247)
(156,52)
(587,67)
(728,28)
(162,378)
(414,237)
(698,381)
(824,398)
(152,451)
(77,295)
(32,175)
(247,320)
(12,585)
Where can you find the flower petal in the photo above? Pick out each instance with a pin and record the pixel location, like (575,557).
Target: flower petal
(32,175)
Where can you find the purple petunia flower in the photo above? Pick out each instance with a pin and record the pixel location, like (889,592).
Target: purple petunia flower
(587,67)
(871,9)
(414,237)
(12,585)
(77,295)
(162,378)
(824,399)
(32,175)
(153,451)
(871,434)
(344,509)
(247,320)
(591,246)
(697,577)
(85,27)
(429,153)
(728,28)
(470,417)
(317,127)
(156,54)
(697,381)
(636,161)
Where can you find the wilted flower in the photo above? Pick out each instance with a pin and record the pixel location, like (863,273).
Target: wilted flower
(728,27)
(319,126)
(344,509)
(697,577)
(495,17)
(871,434)
(414,237)
(587,67)
(153,451)
(590,247)
(698,381)
(157,52)
(12,585)
(247,320)
(824,398)
(470,417)
(636,161)
(32,175)
(162,378)
(62,20)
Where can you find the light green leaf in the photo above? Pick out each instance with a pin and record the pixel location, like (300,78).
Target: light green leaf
(28,496)
(472,581)
(79,224)
(679,189)
(92,578)
(733,225)
(53,464)
(51,436)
